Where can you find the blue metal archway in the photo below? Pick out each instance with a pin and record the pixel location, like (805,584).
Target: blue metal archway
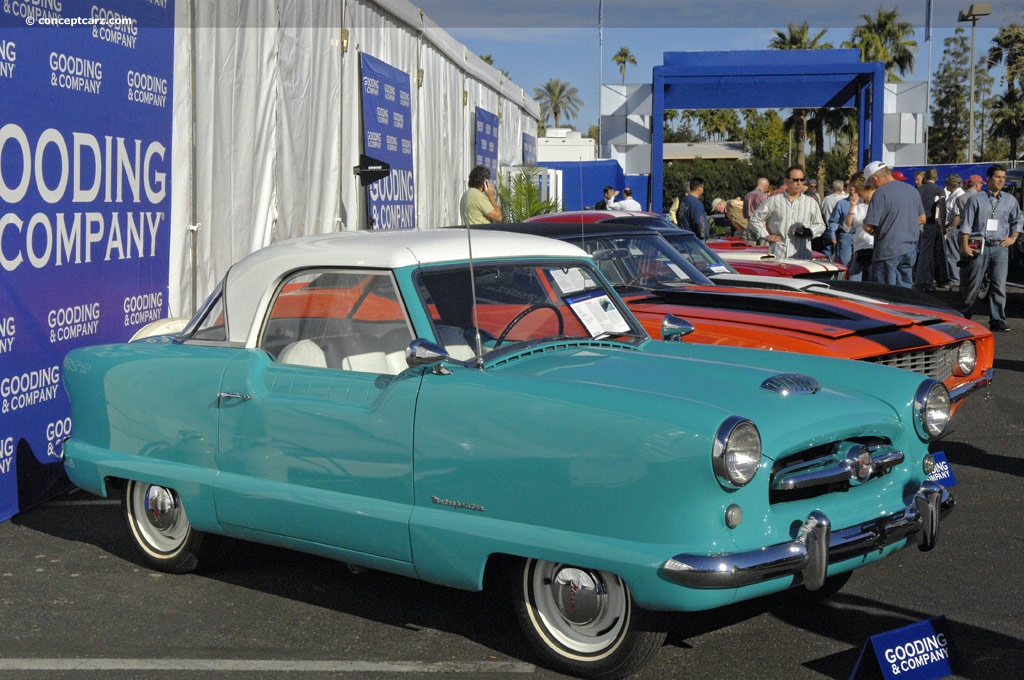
(759,79)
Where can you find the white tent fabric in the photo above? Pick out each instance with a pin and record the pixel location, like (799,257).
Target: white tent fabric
(267,100)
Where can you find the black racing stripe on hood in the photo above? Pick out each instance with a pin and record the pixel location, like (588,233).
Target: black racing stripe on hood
(898,341)
(952,330)
(813,308)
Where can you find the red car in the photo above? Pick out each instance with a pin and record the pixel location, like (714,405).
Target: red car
(748,259)
(655,280)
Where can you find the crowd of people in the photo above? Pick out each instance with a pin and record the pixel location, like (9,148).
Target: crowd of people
(881,227)
(886,230)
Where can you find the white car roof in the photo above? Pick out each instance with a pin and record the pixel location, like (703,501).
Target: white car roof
(250,282)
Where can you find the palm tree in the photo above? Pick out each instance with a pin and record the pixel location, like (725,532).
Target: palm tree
(820,123)
(622,58)
(556,98)
(489,60)
(885,38)
(1008,117)
(718,124)
(671,116)
(798,37)
(1008,47)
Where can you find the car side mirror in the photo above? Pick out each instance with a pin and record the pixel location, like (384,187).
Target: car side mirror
(674,328)
(422,352)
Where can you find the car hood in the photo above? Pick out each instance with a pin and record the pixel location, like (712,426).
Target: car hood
(814,315)
(705,389)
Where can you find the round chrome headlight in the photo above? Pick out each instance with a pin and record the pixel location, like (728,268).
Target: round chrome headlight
(737,452)
(966,357)
(931,409)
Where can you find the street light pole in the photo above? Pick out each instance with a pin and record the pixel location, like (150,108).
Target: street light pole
(972,14)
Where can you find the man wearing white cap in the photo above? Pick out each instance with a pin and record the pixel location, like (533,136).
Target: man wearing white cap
(894,218)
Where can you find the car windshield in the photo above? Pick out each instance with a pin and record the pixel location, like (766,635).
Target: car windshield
(640,261)
(697,253)
(520,303)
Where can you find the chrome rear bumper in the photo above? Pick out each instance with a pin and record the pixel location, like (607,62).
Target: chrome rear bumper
(816,546)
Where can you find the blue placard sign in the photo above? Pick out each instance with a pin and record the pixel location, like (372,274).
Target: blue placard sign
(943,474)
(85,204)
(920,651)
(529,149)
(387,136)
(486,140)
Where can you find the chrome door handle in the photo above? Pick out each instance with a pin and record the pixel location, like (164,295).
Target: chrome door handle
(233,395)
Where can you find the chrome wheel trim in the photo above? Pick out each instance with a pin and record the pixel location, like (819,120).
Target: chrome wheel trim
(582,613)
(159,519)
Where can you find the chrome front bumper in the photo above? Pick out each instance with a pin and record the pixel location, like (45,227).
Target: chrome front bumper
(816,546)
(962,391)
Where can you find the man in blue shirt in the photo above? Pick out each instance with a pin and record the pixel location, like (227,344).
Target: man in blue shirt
(990,224)
(894,218)
(692,214)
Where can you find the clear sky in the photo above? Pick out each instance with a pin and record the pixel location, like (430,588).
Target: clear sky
(534,40)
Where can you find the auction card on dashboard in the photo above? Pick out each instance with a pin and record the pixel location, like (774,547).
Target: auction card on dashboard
(598,313)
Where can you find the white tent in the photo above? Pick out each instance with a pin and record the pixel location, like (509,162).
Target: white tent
(268,129)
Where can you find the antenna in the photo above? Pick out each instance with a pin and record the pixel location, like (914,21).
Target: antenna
(472,289)
(582,231)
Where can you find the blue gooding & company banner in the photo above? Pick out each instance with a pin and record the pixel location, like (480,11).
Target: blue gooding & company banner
(85,172)
(486,140)
(387,136)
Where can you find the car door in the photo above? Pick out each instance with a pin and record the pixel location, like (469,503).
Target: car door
(315,440)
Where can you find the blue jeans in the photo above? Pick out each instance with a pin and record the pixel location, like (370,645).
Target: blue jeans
(844,247)
(895,271)
(995,260)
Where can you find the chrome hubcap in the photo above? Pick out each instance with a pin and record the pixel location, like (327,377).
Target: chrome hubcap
(580,595)
(162,507)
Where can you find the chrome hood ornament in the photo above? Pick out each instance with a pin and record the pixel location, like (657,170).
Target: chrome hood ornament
(791,383)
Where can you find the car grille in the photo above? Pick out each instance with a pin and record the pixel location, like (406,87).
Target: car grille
(823,276)
(822,471)
(935,363)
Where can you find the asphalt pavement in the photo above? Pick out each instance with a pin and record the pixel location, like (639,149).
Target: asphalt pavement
(76,601)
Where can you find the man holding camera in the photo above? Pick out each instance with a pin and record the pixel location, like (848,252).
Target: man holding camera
(990,225)
(788,221)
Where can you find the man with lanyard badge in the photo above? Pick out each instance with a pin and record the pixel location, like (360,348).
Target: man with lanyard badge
(990,224)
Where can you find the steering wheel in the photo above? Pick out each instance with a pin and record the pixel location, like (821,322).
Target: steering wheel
(648,277)
(525,313)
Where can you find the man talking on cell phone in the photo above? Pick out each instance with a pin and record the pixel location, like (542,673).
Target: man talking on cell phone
(478,204)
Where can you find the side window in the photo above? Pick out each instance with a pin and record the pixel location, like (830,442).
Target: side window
(341,319)
(209,323)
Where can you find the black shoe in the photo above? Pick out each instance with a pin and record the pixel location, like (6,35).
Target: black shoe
(999,327)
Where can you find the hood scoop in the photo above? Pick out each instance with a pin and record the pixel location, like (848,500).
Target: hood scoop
(791,383)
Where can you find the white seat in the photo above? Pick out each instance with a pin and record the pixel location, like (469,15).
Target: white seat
(368,362)
(303,353)
(396,362)
(455,343)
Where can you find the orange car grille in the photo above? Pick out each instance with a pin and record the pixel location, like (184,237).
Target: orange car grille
(937,362)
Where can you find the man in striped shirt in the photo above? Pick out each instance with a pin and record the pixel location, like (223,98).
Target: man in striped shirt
(789,220)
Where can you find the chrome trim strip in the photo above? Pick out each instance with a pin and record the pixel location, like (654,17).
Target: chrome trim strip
(815,547)
(962,391)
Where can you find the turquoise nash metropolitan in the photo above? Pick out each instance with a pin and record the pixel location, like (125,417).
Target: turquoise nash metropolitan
(386,400)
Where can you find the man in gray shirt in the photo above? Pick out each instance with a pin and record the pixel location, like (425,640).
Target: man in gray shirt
(894,218)
(990,225)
